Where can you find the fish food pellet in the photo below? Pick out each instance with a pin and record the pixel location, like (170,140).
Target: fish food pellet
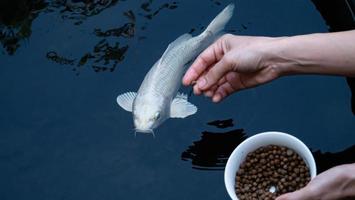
(269,172)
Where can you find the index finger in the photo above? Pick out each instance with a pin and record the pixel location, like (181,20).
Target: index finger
(207,58)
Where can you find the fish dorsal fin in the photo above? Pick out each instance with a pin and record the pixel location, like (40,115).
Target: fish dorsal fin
(125,100)
(181,108)
(176,42)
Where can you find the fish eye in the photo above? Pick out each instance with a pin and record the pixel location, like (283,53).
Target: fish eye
(157,116)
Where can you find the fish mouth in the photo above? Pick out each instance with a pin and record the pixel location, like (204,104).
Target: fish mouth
(137,130)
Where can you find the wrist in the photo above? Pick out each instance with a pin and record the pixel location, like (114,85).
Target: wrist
(289,55)
(319,53)
(349,181)
(336,183)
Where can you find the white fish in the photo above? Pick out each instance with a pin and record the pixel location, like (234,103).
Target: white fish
(157,98)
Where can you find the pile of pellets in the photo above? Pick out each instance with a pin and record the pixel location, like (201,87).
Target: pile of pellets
(271,171)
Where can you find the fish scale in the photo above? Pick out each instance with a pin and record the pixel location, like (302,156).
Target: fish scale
(168,72)
(157,99)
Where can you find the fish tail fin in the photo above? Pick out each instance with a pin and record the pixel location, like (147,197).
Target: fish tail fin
(220,21)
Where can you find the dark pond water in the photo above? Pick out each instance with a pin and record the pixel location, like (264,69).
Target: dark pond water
(63,63)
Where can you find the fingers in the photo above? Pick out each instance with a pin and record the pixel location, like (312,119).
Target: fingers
(222,92)
(218,71)
(285,197)
(211,91)
(227,85)
(207,58)
(297,195)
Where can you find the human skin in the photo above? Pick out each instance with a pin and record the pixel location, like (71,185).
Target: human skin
(335,183)
(235,63)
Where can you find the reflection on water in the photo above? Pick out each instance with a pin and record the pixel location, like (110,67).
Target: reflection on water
(328,160)
(339,18)
(212,151)
(150,13)
(79,10)
(351,83)
(222,123)
(16,17)
(217,2)
(54,146)
(126,31)
(52,55)
(106,55)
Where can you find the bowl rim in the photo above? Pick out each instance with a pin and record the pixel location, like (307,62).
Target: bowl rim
(307,153)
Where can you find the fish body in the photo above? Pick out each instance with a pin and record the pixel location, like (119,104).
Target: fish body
(157,98)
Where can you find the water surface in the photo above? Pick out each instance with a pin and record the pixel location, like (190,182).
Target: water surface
(63,63)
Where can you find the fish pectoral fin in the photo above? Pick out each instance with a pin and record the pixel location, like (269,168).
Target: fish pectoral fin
(181,96)
(181,108)
(125,100)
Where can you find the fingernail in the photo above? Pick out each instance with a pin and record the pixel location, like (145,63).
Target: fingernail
(216,98)
(196,91)
(208,94)
(201,83)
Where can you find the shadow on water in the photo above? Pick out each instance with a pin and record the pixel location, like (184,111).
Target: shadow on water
(212,151)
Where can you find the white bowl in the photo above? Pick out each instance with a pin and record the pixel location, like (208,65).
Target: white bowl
(263,139)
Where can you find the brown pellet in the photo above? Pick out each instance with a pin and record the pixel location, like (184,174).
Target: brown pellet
(271,166)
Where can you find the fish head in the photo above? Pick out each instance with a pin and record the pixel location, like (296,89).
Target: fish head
(148,113)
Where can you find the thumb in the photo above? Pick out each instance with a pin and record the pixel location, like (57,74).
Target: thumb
(216,72)
(297,195)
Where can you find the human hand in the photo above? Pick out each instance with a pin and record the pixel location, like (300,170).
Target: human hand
(336,183)
(231,64)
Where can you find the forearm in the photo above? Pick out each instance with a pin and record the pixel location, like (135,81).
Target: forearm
(336,183)
(323,53)
(348,185)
